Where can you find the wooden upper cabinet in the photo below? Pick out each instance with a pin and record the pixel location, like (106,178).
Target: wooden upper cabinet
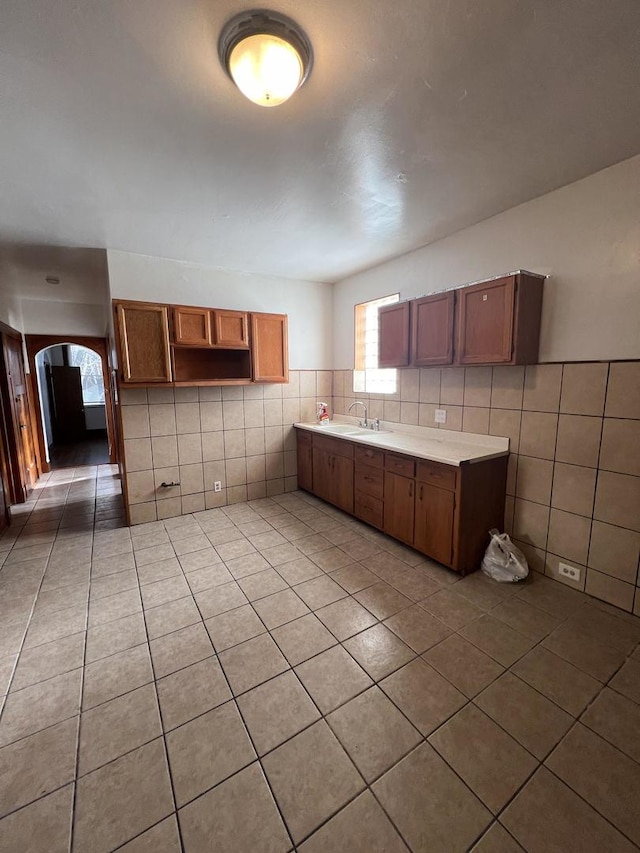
(143,333)
(230,329)
(393,335)
(269,344)
(192,326)
(498,322)
(432,329)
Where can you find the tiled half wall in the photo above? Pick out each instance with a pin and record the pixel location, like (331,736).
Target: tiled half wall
(574,471)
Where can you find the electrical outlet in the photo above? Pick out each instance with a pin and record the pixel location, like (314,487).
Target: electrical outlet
(217,486)
(441,416)
(569,571)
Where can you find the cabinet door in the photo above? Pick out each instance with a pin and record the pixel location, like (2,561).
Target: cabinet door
(393,335)
(143,333)
(399,507)
(484,328)
(305,463)
(192,326)
(322,485)
(230,329)
(432,330)
(342,483)
(270,348)
(434,522)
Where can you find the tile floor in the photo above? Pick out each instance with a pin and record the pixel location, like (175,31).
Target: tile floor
(275,676)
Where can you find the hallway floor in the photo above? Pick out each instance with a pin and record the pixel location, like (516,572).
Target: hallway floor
(91,451)
(275,676)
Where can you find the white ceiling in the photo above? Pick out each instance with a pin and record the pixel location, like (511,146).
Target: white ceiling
(120,129)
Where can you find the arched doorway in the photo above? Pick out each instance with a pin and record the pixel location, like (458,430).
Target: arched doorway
(71,389)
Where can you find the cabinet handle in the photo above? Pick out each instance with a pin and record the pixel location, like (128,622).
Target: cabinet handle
(411,489)
(421,492)
(368,479)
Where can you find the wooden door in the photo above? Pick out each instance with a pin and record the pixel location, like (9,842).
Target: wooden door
(484,327)
(434,522)
(21,452)
(270,348)
(432,329)
(192,326)
(69,423)
(143,334)
(399,506)
(342,483)
(230,329)
(305,462)
(393,335)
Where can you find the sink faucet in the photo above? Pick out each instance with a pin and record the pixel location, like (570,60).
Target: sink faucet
(365,422)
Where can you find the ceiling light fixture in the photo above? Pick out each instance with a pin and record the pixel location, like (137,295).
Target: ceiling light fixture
(266,55)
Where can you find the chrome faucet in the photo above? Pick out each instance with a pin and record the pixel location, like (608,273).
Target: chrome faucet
(364,423)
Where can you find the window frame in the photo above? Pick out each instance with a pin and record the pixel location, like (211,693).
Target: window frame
(367,379)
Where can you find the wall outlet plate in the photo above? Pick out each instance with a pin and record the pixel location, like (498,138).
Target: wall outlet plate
(441,416)
(569,571)
(217,486)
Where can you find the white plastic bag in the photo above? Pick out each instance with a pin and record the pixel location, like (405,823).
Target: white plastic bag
(503,561)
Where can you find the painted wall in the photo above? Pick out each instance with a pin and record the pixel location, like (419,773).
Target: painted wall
(64,318)
(308,304)
(586,236)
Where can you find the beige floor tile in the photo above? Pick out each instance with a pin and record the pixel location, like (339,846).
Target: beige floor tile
(591,655)
(415,584)
(345,617)
(115,637)
(606,778)
(373,732)
(208,577)
(311,543)
(379,651)
(300,570)
(312,778)
(161,592)
(303,638)
(205,558)
(280,608)
(382,600)
(616,719)
(179,649)
(112,584)
(252,662)
(417,628)
(155,554)
(44,704)
(443,815)
(250,564)
(220,821)
(114,607)
(113,676)
(34,665)
(423,695)
(319,592)
(234,627)
(191,691)
(550,596)
(560,681)
(162,570)
(261,584)
(491,762)
(621,630)
(37,765)
(569,822)
(451,608)
(525,618)
(331,559)
(627,680)
(118,726)
(171,617)
(162,838)
(525,714)
(464,665)
(42,827)
(332,678)
(54,626)
(497,840)
(219,599)
(235,548)
(361,827)
(354,578)
(122,799)
(207,750)
(482,591)
(497,639)
(276,710)
(101,566)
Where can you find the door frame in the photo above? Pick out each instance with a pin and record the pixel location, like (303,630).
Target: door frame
(35,344)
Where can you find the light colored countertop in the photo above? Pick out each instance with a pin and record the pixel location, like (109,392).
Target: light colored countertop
(446,446)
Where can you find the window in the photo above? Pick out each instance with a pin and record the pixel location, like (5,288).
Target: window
(368,377)
(90,365)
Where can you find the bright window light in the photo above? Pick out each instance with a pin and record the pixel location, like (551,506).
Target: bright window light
(367,376)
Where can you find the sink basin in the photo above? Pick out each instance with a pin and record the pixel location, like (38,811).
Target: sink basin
(347,429)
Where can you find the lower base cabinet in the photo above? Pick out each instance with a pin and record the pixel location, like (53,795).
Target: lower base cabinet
(443,511)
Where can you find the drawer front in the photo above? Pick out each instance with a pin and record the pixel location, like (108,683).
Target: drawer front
(369,481)
(370,456)
(369,509)
(303,436)
(399,465)
(335,446)
(437,474)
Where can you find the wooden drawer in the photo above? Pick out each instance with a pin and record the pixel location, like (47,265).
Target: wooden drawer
(369,480)
(369,456)
(303,436)
(369,509)
(335,446)
(437,474)
(400,464)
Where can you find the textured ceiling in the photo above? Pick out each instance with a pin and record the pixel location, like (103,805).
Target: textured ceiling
(120,129)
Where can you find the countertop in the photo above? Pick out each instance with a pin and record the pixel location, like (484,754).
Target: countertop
(447,446)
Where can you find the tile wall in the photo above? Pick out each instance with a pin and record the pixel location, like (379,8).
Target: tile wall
(239,435)
(574,473)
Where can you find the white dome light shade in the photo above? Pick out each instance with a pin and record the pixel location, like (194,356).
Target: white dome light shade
(266,55)
(266,69)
